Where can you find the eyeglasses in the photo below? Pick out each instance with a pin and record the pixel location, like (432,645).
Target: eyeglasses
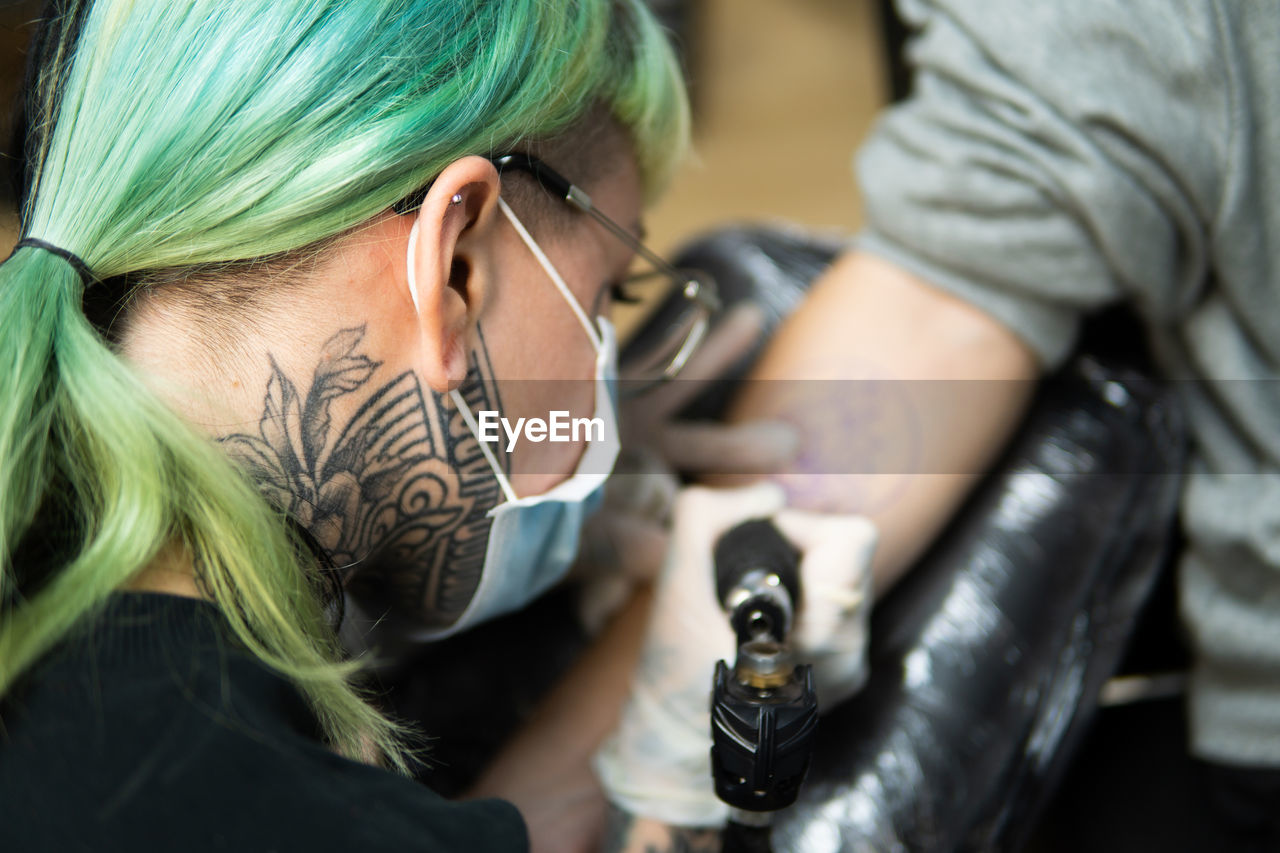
(675,331)
(687,297)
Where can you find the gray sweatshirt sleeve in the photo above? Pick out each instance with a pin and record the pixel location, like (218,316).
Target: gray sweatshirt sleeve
(1054,157)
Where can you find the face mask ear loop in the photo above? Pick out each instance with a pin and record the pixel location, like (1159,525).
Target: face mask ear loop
(484,445)
(587,325)
(454,395)
(412,276)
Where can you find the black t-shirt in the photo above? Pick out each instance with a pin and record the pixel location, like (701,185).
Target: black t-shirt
(151,730)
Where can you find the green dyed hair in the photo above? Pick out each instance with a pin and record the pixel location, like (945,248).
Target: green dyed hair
(169,134)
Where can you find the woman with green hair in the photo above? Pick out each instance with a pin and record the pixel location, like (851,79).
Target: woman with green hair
(281,259)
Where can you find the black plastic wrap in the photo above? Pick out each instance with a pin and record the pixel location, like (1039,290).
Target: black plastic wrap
(986,661)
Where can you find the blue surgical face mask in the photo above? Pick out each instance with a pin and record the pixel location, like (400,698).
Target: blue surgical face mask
(534,539)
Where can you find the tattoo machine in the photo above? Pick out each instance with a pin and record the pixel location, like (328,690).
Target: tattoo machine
(764,710)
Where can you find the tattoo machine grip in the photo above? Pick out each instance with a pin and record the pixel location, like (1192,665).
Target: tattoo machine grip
(757,575)
(764,710)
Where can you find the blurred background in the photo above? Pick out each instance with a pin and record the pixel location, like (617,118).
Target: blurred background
(15,32)
(782,93)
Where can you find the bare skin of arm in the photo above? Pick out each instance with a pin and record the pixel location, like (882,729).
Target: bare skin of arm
(546,768)
(865,331)
(903,396)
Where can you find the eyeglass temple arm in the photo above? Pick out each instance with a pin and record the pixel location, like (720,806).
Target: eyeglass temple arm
(579,200)
(694,287)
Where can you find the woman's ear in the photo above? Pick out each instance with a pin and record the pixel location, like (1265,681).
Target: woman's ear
(449,263)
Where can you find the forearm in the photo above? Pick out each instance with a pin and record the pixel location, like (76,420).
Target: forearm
(546,769)
(903,396)
(626,833)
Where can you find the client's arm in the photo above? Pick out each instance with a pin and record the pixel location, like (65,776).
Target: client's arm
(903,394)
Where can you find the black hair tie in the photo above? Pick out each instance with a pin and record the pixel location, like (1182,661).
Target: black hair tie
(86,275)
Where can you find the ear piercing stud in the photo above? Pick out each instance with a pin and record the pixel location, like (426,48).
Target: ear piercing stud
(457,199)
